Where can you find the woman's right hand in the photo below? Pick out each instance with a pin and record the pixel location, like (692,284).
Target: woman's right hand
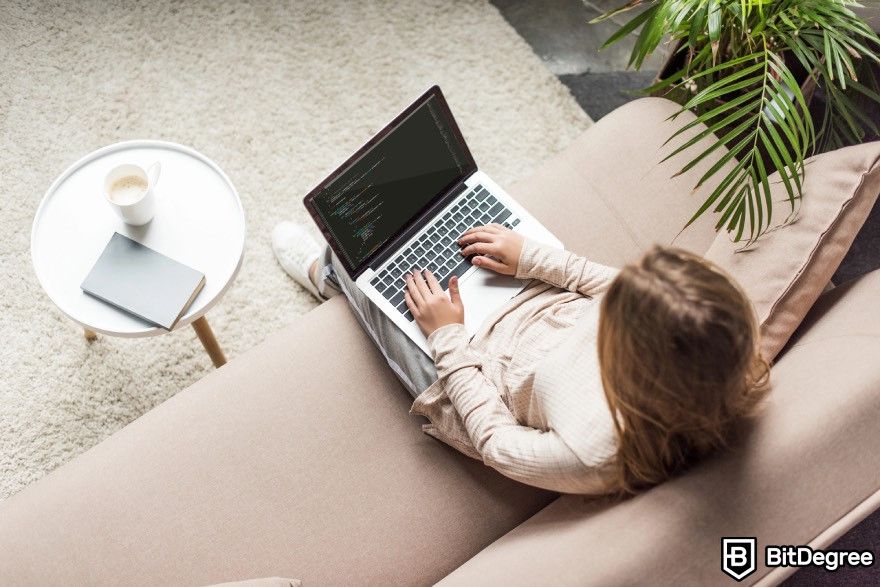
(494,246)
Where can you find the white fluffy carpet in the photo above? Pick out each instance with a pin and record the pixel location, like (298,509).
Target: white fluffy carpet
(276,93)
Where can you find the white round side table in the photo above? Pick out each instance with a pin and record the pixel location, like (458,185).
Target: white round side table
(199,221)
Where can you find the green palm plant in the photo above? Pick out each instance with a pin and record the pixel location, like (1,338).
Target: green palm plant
(749,69)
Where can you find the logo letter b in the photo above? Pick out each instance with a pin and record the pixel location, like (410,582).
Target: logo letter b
(738,556)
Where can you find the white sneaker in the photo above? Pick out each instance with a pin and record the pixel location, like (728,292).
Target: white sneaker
(296,251)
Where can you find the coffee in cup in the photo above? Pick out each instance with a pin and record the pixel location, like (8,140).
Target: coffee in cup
(129,190)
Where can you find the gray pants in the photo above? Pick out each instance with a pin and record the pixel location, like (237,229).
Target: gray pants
(413,367)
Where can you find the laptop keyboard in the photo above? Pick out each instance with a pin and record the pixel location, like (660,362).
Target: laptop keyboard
(437,248)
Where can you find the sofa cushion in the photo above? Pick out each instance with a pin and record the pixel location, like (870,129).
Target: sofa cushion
(790,266)
(812,457)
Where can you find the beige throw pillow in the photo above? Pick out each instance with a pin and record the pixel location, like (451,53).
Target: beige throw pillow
(789,267)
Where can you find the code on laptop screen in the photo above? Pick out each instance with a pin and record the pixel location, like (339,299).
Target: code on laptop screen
(378,195)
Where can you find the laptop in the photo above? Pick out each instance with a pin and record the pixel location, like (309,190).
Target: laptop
(402,201)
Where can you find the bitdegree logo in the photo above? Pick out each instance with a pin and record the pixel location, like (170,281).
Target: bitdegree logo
(803,556)
(738,557)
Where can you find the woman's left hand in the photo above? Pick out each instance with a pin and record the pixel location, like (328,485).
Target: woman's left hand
(429,304)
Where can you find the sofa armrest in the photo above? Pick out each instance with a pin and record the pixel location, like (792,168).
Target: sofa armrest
(811,457)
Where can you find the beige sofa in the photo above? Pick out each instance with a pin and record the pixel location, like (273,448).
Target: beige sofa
(299,459)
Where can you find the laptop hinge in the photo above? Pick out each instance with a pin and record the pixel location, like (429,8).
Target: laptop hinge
(418,224)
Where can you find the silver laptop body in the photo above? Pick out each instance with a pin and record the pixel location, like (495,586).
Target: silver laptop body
(401,202)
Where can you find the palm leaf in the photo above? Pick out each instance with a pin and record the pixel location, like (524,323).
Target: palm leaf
(628,28)
(619,10)
(770,112)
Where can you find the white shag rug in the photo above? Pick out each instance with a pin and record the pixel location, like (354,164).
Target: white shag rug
(276,94)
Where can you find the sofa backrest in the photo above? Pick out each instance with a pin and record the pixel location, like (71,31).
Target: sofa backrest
(607,196)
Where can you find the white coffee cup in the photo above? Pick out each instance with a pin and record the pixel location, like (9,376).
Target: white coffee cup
(130,191)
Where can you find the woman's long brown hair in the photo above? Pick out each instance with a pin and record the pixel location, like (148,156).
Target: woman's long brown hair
(680,364)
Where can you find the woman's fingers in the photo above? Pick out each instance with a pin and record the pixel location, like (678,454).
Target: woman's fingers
(432,282)
(479,249)
(476,237)
(413,307)
(420,284)
(455,292)
(413,290)
(492,227)
(491,264)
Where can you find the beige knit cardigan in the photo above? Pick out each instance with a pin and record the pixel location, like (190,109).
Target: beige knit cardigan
(524,395)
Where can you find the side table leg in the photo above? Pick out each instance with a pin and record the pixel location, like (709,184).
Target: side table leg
(206,336)
(90,335)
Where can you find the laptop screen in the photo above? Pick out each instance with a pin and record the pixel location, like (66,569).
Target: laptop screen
(378,193)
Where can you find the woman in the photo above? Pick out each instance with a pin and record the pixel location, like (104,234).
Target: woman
(589,381)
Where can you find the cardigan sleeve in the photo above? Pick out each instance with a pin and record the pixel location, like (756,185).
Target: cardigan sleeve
(535,457)
(563,269)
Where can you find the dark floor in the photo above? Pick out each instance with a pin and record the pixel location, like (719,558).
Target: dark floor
(560,35)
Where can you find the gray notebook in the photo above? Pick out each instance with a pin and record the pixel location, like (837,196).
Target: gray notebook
(143,282)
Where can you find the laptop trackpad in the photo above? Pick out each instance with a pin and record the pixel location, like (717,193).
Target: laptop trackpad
(483,292)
